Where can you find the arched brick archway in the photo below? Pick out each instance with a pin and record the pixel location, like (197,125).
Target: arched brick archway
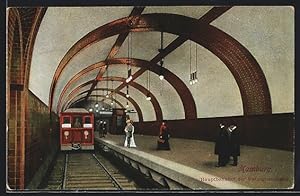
(133,102)
(183,92)
(181,89)
(155,103)
(16,96)
(21,37)
(245,69)
(96,96)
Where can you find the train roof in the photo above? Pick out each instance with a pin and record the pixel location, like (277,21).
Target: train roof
(75,110)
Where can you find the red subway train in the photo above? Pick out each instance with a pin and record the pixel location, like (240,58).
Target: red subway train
(76,129)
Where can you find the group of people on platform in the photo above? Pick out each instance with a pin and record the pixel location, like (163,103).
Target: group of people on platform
(101,128)
(227,145)
(162,142)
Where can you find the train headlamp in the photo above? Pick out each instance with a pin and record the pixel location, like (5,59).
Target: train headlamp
(66,133)
(86,133)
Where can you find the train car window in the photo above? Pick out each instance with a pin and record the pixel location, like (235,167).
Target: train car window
(87,120)
(66,120)
(77,122)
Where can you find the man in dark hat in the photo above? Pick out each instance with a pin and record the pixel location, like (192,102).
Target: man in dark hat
(234,144)
(222,146)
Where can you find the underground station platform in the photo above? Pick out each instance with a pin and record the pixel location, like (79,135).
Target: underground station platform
(215,84)
(191,164)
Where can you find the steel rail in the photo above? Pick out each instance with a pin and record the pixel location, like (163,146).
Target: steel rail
(65,172)
(108,173)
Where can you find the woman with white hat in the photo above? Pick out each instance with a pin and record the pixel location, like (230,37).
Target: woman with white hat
(129,130)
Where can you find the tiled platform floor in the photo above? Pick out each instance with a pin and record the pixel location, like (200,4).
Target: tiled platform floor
(257,167)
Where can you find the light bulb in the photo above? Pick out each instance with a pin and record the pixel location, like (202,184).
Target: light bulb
(161,77)
(111,103)
(91,109)
(129,79)
(102,108)
(97,110)
(127,95)
(196,80)
(96,105)
(107,96)
(191,82)
(127,106)
(148,98)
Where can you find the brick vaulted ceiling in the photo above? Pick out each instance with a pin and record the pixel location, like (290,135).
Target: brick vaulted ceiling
(76,45)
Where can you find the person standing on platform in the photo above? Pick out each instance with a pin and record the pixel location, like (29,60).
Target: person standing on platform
(77,124)
(164,136)
(129,130)
(104,128)
(100,128)
(222,146)
(97,130)
(234,144)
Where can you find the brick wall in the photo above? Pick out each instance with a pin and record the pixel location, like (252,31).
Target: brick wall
(41,136)
(29,139)
(16,101)
(15,159)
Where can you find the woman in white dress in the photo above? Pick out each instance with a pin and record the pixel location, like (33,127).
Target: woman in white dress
(129,139)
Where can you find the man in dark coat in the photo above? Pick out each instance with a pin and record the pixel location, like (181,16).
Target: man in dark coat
(98,128)
(234,144)
(222,146)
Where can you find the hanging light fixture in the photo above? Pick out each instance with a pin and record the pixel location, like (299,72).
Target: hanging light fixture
(129,78)
(96,104)
(148,98)
(161,76)
(112,87)
(91,109)
(193,75)
(127,106)
(107,96)
(102,103)
(129,53)
(191,78)
(127,91)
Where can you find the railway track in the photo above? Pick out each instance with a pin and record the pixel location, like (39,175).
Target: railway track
(87,171)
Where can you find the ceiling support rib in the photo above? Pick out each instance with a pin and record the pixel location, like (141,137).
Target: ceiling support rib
(132,101)
(244,67)
(208,17)
(181,89)
(154,101)
(102,96)
(136,11)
